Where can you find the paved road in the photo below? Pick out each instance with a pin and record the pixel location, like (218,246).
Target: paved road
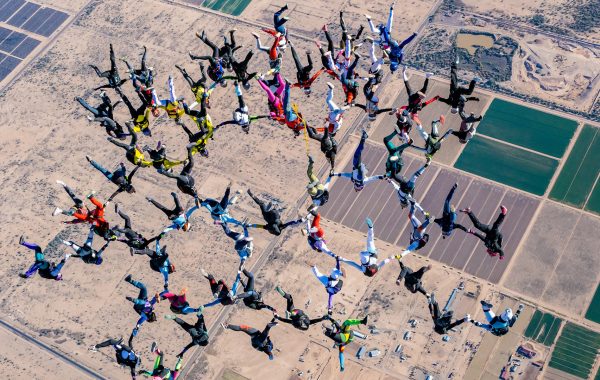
(83,369)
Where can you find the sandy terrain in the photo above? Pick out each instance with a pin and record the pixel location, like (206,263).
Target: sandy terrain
(559,15)
(24,360)
(47,137)
(557,263)
(488,362)
(389,307)
(558,71)
(37,152)
(316,13)
(543,66)
(71,6)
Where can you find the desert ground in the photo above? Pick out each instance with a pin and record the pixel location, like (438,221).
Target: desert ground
(573,18)
(46,137)
(543,66)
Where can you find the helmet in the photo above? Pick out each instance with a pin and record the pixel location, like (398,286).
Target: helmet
(335,274)
(372,270)
(171,268)
(307,90)
(186,226)
(99,261)
(454,110)
(507,315)
(358,187)
(152,317)
(59,277)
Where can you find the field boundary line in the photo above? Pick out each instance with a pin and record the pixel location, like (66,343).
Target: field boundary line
(581,165)
(564,159)
(551,351)
(518,146)
(592,190)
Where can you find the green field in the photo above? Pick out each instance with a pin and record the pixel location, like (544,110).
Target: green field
(232,7)
(506,164)
(580,171)
(543,328)
(526,127)
(593,312)
(575,351)
(593,203)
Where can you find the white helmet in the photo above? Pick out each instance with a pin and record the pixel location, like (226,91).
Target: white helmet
(335,274)
(507,315)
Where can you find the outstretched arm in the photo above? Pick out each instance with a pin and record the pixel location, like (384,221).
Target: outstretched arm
(396,187)
(321,277)
(424,135)
(132,174)
(168,174)
(317,320)
(448,132)
(431,100)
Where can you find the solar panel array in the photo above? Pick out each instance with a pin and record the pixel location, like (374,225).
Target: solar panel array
(31,17)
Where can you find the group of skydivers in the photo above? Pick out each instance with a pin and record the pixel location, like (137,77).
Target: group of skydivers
(223,66)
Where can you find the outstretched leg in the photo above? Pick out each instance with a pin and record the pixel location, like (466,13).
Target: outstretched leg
(264,206)
(330,103)
(265,333)
(224,203)
(371,237)
(498,222)
(168,212)
(356,160)
(447,202)
(107,173)
(453,78)
(88,107)
(187,169)
(278,21)
(270,95)
(76,200)
(477,224)
(297,61)
(244,328)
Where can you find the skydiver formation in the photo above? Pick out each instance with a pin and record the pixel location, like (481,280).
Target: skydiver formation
(282,98)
